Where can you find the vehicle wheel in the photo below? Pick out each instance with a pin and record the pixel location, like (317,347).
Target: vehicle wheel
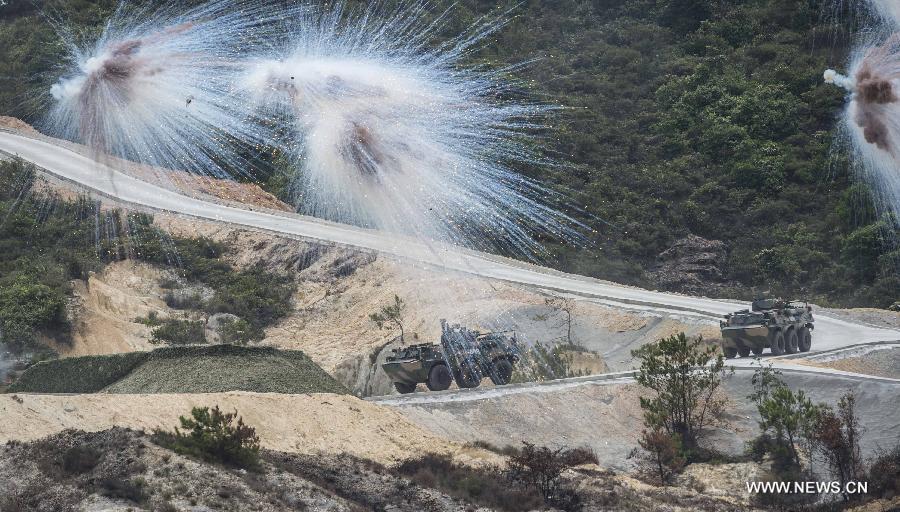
(502,372)
(777,348)
(805,339)
(405,387)
(439,378)
(467,378)
(730,352)
(744,352)
(792,341)
(758,351)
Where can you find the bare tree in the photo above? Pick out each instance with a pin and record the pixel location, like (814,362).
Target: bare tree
(836,435)
(391,314)
(567,308)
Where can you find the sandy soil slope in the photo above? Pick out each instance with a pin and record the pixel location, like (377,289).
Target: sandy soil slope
(868,316)
(339,288)
(606,416)
(327,423)
(106,180)
(106,306)
(877,360)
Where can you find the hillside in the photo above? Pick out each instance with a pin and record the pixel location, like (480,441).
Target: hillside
(680,119)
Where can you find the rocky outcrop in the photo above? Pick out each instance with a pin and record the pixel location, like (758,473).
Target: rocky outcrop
(692,265)
(362,373)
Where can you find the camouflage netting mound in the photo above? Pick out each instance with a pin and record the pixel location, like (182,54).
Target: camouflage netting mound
(195,369)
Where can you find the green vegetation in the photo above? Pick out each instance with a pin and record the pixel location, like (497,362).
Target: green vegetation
(684,375)
(256,295)
(708,118)
(214,436)
(679,117)
(391,314)
(46,242)
(484,486)
(794,431)
(237,332)
(183,369)
(179,332)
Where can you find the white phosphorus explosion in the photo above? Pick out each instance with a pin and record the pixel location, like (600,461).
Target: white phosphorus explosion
(871,121)
(384,126)
(156,88)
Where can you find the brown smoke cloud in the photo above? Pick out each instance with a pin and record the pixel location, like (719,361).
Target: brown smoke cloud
(875,90)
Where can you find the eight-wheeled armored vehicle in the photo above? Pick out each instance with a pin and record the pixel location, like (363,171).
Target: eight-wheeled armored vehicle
(464,356)
(782,327)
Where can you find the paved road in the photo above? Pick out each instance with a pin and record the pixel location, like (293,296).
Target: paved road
(66,164)
(742,371)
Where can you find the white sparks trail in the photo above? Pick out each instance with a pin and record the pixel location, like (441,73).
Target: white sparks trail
(393,133)
(871,122)
(156,88)
(385,126)
(889,9)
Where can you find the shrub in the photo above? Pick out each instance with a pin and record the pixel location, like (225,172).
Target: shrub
(133,489)
(80,459)
(26,306)
(787,421)
(179,332)
(683,374)
(662,454)
(211,435)
(884,474)
(540,469)
(391,314)
(484,486)
(179,300)
(836,436)
(151,320)
(238,332)
(788,417)
(257,295)
(507,450)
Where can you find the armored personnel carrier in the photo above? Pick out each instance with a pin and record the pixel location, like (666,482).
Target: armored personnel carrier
(464,356)
(782,327)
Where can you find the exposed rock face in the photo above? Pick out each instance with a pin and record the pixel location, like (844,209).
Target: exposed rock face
(215,323)
(363,375)
(693,265)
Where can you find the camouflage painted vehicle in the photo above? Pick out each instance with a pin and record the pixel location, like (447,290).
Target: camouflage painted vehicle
(408,366)
(782,327)
(464,356)
(472,355)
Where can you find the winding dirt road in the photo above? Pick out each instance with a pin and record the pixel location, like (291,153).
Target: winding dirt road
(71,166)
